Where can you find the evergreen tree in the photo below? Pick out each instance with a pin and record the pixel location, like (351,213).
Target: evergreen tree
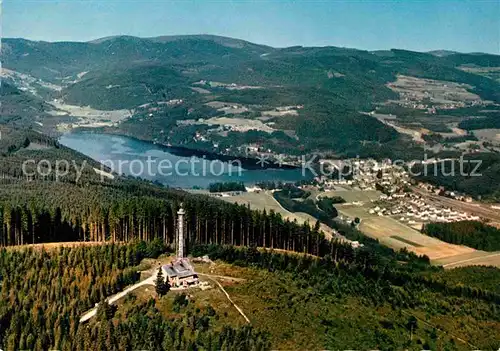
(161,287)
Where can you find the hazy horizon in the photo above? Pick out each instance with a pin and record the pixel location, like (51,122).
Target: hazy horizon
(224,36)
(423,26)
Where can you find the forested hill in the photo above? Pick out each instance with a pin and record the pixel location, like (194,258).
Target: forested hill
(19,108)
(83,206)
(141,217)
(355,77)
(332,86)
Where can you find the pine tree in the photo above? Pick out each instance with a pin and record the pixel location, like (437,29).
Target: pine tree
(412,324)
(161,287)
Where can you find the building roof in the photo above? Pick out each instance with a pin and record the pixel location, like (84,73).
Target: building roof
(180,268)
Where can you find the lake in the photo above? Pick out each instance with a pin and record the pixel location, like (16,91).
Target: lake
(174,167)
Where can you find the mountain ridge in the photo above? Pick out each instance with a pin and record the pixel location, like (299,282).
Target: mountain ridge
(334,85)
(238,42)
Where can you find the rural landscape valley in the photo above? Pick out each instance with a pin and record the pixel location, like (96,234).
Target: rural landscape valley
(317,191)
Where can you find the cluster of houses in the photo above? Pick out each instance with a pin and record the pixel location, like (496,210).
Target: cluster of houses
(439,190)
(412,209)
(365,175)
(392,178)
(431,109)
(431,100)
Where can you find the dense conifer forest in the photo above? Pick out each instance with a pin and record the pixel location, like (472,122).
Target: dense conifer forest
(469,233)
(44,293)
(228,186)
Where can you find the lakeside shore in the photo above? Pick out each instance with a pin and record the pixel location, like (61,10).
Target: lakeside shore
(248,163)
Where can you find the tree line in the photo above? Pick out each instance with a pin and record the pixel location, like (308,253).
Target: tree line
(469,233)
(226,186)
(43,212)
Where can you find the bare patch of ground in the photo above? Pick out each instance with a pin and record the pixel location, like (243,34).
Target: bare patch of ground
(233,86)
(492,135)
(87,116)
(228,107)
(441,92)
(201,90)
(265,201)
(235,124)
(274,113)
(28,83)
(396,235)
(52,246)
(476,258)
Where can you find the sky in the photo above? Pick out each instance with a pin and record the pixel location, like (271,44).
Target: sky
(465,26)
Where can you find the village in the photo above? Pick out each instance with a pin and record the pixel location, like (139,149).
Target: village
(395,197)
(416,211)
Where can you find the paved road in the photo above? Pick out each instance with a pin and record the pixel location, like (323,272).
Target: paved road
(151,281)
(114,298)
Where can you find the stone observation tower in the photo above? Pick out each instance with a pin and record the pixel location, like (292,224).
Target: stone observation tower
(180,273)
(180,234)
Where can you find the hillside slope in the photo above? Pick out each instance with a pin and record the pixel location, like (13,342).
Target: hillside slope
(323,88)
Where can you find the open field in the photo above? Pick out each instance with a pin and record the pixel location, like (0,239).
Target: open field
(236,124)
(352,195)
(396,235)
(239,124)
(417,89)
(387,230)
(265,201)
(477,258)
(56,245)
(280,113)
(492,135)
(87,116)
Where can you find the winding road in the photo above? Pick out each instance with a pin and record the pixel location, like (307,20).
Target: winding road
(151,281)
(114,298)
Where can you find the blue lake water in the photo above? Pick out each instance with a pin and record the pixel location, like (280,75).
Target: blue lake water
(171,166)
